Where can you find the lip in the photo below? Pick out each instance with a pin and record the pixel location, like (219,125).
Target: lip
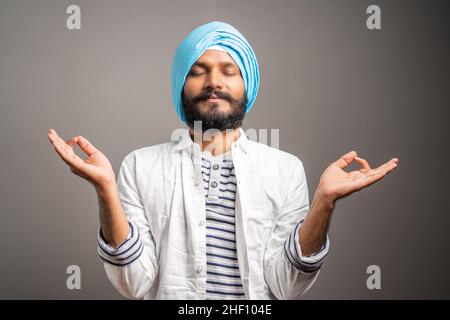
(213,99)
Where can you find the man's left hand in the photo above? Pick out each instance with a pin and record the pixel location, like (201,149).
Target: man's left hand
(336,183)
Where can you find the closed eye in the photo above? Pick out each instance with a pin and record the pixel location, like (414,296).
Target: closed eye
(194,73)
(230,72)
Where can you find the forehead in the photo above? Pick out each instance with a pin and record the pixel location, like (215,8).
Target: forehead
(215,57)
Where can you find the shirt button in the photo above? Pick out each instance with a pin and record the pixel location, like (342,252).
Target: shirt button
(201,223)
(199,270)
(213,184)
(216,166)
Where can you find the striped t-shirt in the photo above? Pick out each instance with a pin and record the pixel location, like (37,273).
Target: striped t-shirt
(223,280)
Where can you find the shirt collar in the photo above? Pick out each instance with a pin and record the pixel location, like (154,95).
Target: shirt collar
(185,141)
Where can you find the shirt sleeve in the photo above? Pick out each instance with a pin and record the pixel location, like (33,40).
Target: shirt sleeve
(287,272)
(125,253)
(293,252)
(132,267)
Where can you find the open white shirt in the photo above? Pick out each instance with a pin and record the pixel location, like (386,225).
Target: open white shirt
(164,256)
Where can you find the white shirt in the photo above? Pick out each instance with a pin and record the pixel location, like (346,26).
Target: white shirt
(162,194)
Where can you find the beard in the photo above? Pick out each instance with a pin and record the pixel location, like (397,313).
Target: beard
(213,118)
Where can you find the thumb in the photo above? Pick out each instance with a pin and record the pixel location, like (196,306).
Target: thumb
(346,159)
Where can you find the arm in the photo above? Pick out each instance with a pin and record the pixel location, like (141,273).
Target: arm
(288,273)
(125,243)
(97,170)
(132,266)
(334,184)
(312,234)
(291,269)
(113,222)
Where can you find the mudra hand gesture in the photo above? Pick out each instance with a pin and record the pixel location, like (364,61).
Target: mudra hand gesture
(336,183)
(96,168)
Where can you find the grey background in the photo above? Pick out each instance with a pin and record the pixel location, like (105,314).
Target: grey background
(327,82)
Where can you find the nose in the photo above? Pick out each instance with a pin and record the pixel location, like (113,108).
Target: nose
(214,79)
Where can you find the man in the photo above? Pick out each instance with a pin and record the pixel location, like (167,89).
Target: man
(213,216)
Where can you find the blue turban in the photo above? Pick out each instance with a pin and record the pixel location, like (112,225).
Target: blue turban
(200,39)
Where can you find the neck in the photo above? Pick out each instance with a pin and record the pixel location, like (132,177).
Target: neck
(215,141)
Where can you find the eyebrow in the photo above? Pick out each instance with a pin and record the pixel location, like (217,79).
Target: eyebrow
(205,65)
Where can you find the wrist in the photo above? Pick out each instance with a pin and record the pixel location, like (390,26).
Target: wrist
(105,189)
(323,200)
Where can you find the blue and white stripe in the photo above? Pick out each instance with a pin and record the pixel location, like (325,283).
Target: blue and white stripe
(124,254)
(223,279)
(294,254)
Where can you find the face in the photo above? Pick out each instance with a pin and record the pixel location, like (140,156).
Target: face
(214,92)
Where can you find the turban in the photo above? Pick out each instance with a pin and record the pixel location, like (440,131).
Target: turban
(200,39)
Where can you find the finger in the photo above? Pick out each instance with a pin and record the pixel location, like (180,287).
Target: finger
(52,135)
(72,141)
(58,142)
(363,163)
(391,167)
(367,179)
(393,161)
(55,138)
(388,166)
(376,174)
(68,157)
(372,176)
(346,159)
(379,174)
(63,150)
(86,146)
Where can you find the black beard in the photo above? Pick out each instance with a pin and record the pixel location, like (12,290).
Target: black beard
(214,119)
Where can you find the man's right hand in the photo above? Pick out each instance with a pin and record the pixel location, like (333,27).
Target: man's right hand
(96,168)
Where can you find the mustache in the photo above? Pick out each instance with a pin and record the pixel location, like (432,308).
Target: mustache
(208,93)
